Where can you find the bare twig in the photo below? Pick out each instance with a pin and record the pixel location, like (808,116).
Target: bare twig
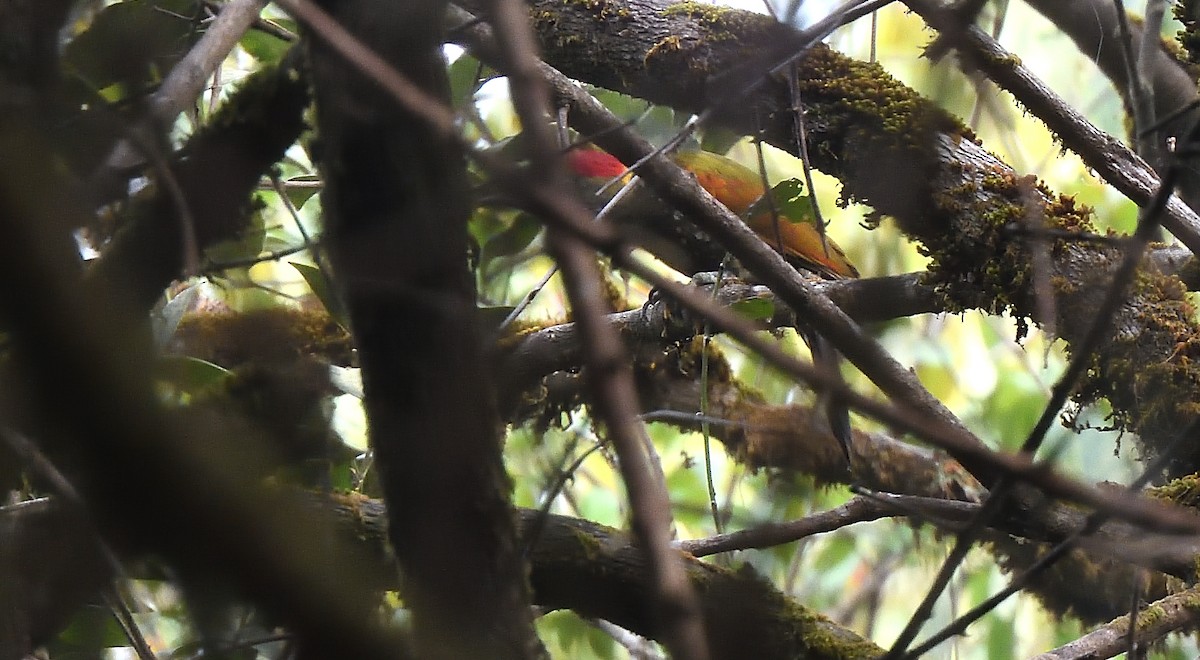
(1058,552)
(1113,161)
(958,442)
(186,80)
(609,369)
(765,536)
(1082,353)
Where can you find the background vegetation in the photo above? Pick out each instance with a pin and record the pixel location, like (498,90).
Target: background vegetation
(265,392)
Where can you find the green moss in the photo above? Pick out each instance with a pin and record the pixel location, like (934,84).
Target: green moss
(742,30)
(600,10)
(246,106)
(1149,393)
(589,545)
(664,48)
(710,16)
(232,339)
(564,25)
(1183,491)
(1150,616)
(860,98)
(823,640)
(796,631)
(1186,12)
(1192,599)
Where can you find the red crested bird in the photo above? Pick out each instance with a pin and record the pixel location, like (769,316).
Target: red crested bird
(739,188)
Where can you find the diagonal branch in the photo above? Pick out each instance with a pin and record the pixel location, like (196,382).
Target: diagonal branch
(1175,613)
(609,372)
(396,234)
(896,151)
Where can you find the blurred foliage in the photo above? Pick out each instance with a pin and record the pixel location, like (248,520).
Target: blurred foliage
(866,575)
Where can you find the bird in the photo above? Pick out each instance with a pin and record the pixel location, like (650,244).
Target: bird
(740,189)
(737,187)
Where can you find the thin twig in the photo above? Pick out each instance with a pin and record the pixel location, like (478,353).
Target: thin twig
(188,77)
(1106,156)
(1093,523)
(1149,146)
(609,371)
(40,465)
(765,536)
(530,537)
(556,210)
(253,261)
(1082,353)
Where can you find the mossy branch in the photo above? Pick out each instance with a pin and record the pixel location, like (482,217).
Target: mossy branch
(579,565)
(909,159)
(217,171)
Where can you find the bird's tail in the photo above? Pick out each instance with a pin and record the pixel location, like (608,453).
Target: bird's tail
(838,414)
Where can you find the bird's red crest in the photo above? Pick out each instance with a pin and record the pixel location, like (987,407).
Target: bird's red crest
(594,163)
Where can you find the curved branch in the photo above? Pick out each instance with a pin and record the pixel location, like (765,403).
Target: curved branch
(224,162)
(1112,160)
(1092,25)
(1177,612)
(594,570)
(527,358)
(610,377)
(908,159)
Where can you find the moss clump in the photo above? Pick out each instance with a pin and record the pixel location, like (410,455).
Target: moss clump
(740,35)
(602,11)
(1183,491)
(1149,393)
(979,264)
(721,20)
(1080,586)
(232,339)
(860,100)
(1185,12)
(667,47)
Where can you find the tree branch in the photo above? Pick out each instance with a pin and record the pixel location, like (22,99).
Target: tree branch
(396,236)
(1174,613)
(910,160)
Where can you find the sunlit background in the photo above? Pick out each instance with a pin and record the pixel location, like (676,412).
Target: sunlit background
(868,576)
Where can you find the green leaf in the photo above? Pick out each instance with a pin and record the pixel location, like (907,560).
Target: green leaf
(323,291)
(298,195)
(466,76)
(719,140)
(626,107)
(1001,632)
(347,379)
(90,629)
(248,244)
(755,309)
(166,320)
(267,47)
(192,373)
(189,376)
(787,199)
(516,237)
(798,209)
(132,44)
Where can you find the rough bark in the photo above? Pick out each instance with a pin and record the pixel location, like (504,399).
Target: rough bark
(397,242)
(217,172)
(594,570)
(897,152)
(85,358)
